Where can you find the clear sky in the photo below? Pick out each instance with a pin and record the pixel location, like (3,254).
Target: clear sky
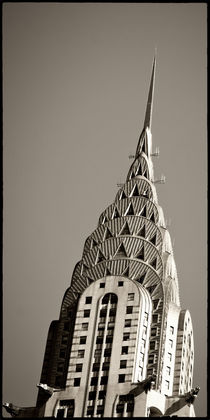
(75,84)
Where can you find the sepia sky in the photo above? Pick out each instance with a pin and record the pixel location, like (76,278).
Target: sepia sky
(75,85)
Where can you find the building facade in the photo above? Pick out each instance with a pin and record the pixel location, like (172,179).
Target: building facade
(122,346)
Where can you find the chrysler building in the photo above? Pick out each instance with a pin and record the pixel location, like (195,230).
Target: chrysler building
(123,346)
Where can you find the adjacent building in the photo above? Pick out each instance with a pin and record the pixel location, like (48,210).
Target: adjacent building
(122,346)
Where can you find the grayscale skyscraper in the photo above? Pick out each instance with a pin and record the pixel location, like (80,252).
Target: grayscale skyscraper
(122,346)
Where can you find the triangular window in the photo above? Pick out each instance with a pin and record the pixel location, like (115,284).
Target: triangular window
(139,171)
(154,263)
(143,147)
(115,214)
(152,218)
(126,273)
(153,239)
(130,211)
(123,195)
(105,220)
(140,255)
(84,267)
(141,279)
(94,243)
(151,289)
(125,230)
(143,212)
(100,257)
(135,192)
(142,232)
(146,174)
(108,272)
(108,234)
(132,175)
(121,251)
(89,280)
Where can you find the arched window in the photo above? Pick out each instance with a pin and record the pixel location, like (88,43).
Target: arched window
(109,297)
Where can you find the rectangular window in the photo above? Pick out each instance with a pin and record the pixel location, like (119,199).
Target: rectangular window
(143,342)
(80,353)
(151,358)
(149,372)
(85,326)
(66,326)
(152,345)
(129,310)
(90,410)
(130,296)
(82,339)
(120,408)
(110,326)
(64,340)
(168,370)
(167,384)
(112,312)
(86,313)
(60,413)
(67,402)
(102,394)
(97,352)
(76,381)
(123,364)
(171,329)
(60,367)
(126,336)
(109,339)
(107,352)
(103,313)
(155,318)
(144,330)
(79,367)
(101,326)
(124,350)
(121,378)
(99,340)
(100,409)
(102,285)
(153,332)
(96,367)
(104,380)
(141,358)
(120,283)
(105,366)
(88,299)
(127,322)
(170,357)
(94,380)
(92,395)
(171,343)
(62,354)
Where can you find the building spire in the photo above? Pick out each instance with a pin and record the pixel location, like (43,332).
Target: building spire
(148,114)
